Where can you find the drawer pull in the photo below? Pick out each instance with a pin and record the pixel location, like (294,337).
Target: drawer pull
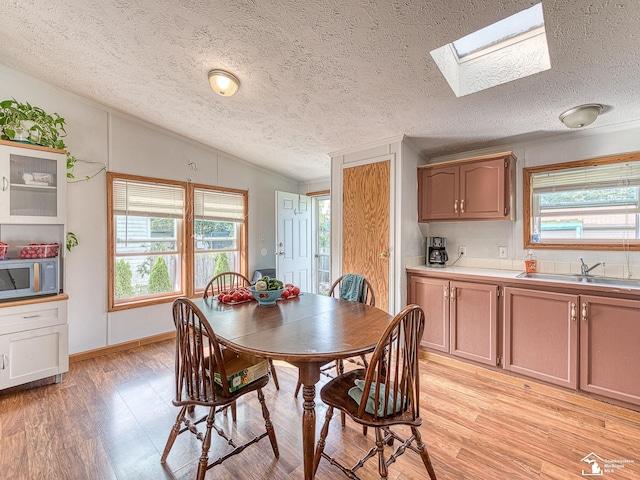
(455,206)
(446,293)
(573,312)
(453,294)
(32,316)
(461,206)
(4,361)
(5,184)
(584,312)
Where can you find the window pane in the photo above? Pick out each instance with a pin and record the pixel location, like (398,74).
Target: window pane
(137,276)
(594,203)
(145,234)
(324,245)
(207,265)
(509,27)
(212,235)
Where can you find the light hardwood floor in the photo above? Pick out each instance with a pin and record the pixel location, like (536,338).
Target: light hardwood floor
(110,417)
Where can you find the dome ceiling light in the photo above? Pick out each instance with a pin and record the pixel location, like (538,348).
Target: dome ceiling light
(223,83)
(581,116)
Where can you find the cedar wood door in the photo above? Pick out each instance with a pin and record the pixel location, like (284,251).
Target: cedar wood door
(365,225)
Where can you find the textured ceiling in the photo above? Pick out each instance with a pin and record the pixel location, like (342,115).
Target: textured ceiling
(321,76)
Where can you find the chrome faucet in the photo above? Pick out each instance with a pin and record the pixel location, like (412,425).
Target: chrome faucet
(586,269)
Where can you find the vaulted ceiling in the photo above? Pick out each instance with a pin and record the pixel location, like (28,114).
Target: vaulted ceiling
(321,76)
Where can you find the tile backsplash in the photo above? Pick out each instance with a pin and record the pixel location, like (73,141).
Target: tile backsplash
(608,270)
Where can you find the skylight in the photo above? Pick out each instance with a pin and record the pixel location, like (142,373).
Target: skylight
(510,49)
(500,31)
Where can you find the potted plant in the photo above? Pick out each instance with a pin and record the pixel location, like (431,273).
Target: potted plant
(27,123)
(24,122)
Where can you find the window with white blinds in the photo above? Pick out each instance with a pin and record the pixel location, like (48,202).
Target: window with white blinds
(218,205)
(218,228)
(587,204)
(148,199)
(169,238)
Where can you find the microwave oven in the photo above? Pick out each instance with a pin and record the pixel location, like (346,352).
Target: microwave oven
(28,278)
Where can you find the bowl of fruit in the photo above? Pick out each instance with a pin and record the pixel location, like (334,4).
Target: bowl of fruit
(267,290)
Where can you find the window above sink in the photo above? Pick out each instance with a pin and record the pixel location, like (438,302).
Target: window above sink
(584,205)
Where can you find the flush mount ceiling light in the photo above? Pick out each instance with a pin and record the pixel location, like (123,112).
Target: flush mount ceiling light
(581,116)
(223,83)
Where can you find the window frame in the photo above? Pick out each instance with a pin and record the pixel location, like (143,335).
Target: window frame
(528,210)
(243,236)
(185,240)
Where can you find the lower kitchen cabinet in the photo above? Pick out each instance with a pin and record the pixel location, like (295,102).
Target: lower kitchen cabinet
(573,336)
(432,294)
(474,321)
(541,335)
(34,342)
(461,317)
(609,352)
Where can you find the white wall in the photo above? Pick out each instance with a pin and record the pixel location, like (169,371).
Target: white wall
(482,239)
(126,145)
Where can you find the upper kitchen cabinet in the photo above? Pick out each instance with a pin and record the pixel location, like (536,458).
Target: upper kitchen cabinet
(33,184)
(478,188)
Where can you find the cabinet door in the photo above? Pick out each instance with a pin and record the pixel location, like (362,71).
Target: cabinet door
(432,295)
(609,353)
(482,190)
(474,321)
(438,193)
(33,186)
(541,335)
(33,354)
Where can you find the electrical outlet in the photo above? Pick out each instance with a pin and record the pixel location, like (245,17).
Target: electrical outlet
(502,252)
(462,251)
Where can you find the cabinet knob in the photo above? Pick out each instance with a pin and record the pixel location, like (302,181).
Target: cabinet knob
(384,254)
(573,312)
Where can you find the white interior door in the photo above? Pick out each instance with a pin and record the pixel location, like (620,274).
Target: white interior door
(293,239)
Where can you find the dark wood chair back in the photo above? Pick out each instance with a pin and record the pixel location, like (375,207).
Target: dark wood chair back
(198,356)
(225,281)
(390,396)
(366,294)
(393,371)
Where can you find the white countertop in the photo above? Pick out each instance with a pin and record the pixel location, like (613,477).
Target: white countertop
(484,272)
(512,275)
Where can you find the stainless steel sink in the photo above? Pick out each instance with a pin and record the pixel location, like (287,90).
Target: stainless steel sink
(577,278)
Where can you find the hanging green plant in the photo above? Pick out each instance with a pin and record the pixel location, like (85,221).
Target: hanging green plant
(23,122)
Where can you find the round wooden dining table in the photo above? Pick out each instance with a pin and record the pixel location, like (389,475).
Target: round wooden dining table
(307,331)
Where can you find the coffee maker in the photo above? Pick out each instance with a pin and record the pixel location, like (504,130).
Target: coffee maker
(436,253)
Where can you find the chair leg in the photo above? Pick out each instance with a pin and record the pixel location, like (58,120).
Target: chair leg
(382,464)
(233,412)
(268,425)
(173,435)
(321,441)
(274,375)
(422,450)
(206,444)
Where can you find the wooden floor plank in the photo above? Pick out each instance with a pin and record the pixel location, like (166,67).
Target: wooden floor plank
(110,417)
